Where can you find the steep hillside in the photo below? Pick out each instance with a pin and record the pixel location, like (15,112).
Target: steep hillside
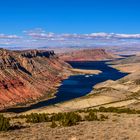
(128,60)
(28,75)
(87,55)
(129,64)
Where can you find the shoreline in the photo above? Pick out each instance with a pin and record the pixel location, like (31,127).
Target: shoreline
(85,71)
(88,101)
(74,104)
(54,89)
(127,68)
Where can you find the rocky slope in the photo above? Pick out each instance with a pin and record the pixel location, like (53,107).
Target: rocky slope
(87,55)
(126,91)
(28,75)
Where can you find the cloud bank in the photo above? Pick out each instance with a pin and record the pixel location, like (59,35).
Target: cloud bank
(3,36)
(41,34)
(40,38)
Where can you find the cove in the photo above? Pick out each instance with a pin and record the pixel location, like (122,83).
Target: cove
(78,85)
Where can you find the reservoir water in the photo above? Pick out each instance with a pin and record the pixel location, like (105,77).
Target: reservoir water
(78,85)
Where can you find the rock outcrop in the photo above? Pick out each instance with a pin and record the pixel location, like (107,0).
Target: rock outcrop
(35,53)
(28,75)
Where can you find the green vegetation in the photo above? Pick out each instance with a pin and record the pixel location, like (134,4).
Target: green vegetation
(103,117)
(119,110)
(36,118)
(113,110)
(91,116)
(65,119)
(70,119)
(73,118)
(53,125)
(4,123)
(137,81)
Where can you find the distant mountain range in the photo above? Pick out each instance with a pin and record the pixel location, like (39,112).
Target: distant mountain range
(87,55)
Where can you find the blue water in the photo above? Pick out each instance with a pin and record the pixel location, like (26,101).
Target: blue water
(78,85)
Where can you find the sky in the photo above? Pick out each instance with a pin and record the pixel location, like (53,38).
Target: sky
(39,23)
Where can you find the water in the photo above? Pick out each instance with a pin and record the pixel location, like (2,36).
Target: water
(78,85)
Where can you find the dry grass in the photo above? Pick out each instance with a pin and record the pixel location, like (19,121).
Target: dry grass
(117,127)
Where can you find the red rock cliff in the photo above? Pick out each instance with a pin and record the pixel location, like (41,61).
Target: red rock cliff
(28,75)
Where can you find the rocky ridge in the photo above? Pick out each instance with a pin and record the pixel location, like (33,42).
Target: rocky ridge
(87,55)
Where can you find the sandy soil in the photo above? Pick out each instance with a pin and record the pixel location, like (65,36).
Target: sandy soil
(79,103)
(83,71)
(130,68)
(117,127)
(91,102)
(122,103)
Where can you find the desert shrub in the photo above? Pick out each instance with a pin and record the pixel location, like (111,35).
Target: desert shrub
(57,117)
(4,123)
(102,109)
(20,116)
(53,125)
(64,119)
(36,118)
(137,81)
(91,116)
(33,117)
(103,117)
(93,110)
(109,109)
(118,110)
(138,111)
(70,119)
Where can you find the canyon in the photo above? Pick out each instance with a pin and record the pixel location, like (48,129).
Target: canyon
(33,74)
(30,75)
(26,76)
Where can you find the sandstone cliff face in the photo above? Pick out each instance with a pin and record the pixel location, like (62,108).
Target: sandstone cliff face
(28,75)
(87,55)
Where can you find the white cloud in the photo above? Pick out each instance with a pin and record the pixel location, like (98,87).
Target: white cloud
(3,36)
(41,34)
(39,38)
(127,36)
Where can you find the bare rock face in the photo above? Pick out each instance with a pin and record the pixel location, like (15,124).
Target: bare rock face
(38,53)
(28,75)
(87,55)
(7,61)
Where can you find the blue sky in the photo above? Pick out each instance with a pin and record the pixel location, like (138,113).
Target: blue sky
(68,17)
